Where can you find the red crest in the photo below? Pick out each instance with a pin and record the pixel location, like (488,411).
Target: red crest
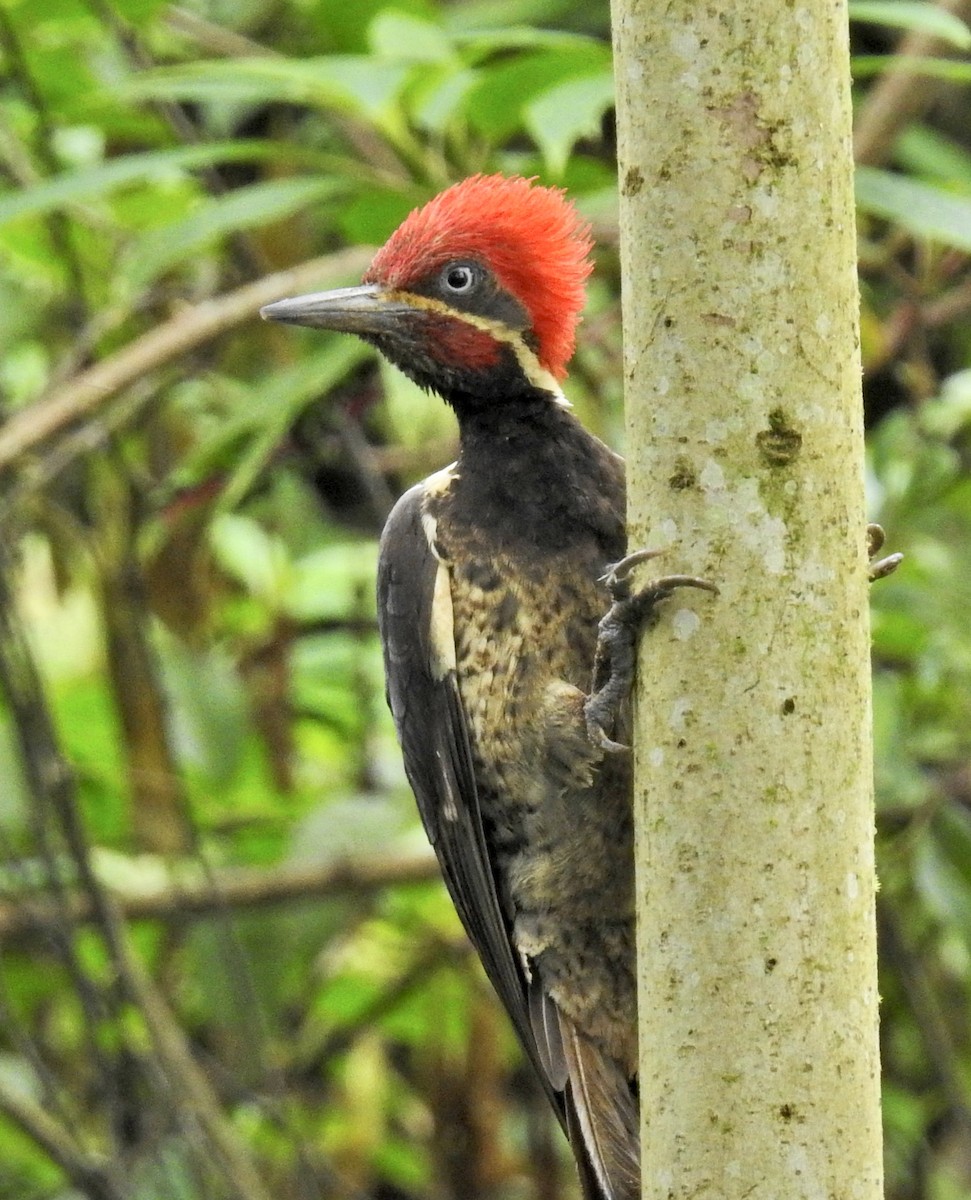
(531,238)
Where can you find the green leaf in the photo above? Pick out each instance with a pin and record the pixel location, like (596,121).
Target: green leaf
(207,707)
(346,27)
(496,106)
(371,216)
(351,83)
(14,796)
(479,43)
(943,868)
(949,414)
(897,635)
(281,399)
(438,97)
(327,581)
(911,14)
(920,208)
(413,421)
(139,12)
(252,556)
(96,182)
(929,153)
(399,37)
(242,209)
(572,110)
(950,69)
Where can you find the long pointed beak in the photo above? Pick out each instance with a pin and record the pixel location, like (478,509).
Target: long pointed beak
(362,310)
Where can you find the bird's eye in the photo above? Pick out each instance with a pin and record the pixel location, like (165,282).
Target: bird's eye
(460,278)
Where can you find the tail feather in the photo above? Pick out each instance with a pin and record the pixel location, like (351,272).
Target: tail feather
(545,1023)
(602,1113)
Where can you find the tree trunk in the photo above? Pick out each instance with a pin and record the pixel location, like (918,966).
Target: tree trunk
(753,792)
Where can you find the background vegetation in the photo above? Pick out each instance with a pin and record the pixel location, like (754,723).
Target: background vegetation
(227,968)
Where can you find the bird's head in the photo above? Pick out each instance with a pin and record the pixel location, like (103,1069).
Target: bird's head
(476,295)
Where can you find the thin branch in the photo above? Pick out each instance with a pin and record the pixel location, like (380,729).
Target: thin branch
(240,888)
(948,306)
(316,1053)
(368,146)
(212,38)
(42,769)
(159,807)
(366,463)
(23,1045)
(186,1076)
(89,391)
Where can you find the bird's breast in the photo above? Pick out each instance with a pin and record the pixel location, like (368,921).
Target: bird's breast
(556,811)
(524,650)
(515,635)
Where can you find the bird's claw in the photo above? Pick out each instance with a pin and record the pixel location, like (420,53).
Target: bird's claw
(875,538)
(616,641)
(617,576)
(663,587)
(597,736)
(618,583)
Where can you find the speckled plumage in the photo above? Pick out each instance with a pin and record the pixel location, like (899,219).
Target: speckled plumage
(557,814)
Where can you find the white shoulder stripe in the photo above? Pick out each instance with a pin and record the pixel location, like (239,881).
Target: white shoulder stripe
(440,626)
(441,632)
(435,484)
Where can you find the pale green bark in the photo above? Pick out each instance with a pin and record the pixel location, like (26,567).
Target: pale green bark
(758,1001)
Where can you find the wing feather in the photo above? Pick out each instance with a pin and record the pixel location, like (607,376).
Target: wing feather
(414,615)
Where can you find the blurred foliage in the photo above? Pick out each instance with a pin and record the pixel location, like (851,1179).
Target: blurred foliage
(191,555)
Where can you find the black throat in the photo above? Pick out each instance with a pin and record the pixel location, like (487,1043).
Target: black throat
(535,479)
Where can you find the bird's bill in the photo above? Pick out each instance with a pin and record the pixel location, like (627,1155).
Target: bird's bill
(362,310)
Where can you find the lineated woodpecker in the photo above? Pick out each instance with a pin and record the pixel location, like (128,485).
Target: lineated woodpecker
(491,586)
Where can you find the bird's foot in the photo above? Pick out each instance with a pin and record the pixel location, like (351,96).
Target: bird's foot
(875,537)
(616,654)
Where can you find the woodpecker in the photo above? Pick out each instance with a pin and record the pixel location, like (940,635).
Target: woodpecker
(491,589)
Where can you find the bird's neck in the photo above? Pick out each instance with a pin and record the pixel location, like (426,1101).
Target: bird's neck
(526,417)
(529,470)
(529,438)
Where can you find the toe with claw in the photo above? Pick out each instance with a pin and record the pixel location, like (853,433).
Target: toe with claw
(617,641)
(882,567)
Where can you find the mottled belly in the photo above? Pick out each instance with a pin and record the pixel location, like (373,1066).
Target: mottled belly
(557,811)
(516,639)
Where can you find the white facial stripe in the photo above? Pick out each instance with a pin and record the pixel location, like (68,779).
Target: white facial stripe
(532,368)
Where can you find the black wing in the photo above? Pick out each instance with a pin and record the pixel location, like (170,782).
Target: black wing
(590,1097)
(415,619)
